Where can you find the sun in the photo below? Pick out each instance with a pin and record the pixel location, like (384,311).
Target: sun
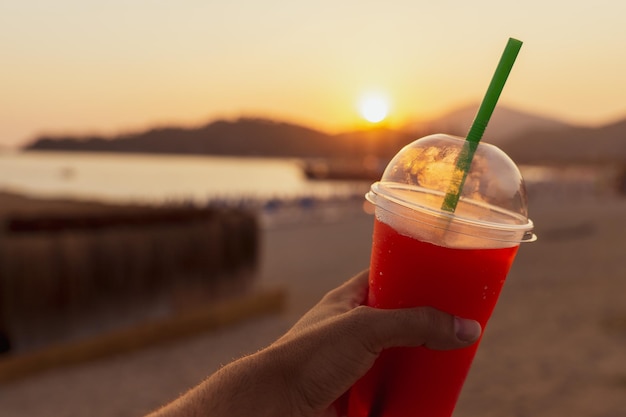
(374,107)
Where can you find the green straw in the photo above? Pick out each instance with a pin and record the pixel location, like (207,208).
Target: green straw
(480,123)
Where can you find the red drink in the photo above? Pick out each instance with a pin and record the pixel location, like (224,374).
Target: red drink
(423,254)
(406,272)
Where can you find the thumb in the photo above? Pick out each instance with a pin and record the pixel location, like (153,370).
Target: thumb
(421,326)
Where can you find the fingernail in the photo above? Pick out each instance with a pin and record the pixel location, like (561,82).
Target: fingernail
(466,330)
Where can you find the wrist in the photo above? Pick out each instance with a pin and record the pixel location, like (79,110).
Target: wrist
(252,386)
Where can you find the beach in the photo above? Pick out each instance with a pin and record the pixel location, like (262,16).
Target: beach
(554,347)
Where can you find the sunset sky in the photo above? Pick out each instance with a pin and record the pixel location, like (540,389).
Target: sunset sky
(76,66)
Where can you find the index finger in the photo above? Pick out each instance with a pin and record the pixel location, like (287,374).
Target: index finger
(353,291)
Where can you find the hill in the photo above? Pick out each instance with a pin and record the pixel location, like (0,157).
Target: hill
(572,145)
(506,123)
(241,137)
(528,138)
(244,137)
(533,139)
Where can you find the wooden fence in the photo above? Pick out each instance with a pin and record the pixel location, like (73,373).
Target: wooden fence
(66,277)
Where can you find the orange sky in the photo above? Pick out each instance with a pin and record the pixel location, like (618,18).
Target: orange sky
(73,67)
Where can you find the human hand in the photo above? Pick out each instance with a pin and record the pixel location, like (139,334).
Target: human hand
(338,340)
(307,371)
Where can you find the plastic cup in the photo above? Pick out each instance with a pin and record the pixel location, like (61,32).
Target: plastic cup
(423,255)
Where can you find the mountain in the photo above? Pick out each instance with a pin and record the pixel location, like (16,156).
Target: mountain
(505,124)
(526,137)
(380,141)
(532,139)
(262,137)
(243,137)
(571,145)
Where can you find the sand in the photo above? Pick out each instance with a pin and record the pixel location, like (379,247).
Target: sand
(554,347)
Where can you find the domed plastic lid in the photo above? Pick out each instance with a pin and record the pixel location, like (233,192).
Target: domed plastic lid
(492,204)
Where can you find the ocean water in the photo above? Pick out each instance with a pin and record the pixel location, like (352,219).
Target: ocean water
(157,179)
(143,178)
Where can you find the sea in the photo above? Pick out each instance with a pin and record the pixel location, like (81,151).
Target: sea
(162,179)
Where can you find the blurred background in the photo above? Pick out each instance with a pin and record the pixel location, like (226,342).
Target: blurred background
(179,181)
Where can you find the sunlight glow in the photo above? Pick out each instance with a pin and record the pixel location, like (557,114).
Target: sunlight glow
(374,107)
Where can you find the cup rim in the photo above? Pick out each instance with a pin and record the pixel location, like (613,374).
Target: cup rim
(377,190)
